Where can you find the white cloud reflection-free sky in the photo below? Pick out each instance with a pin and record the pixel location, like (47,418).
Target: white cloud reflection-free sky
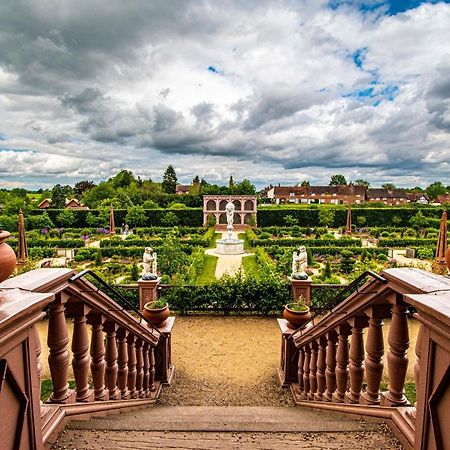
(273,91)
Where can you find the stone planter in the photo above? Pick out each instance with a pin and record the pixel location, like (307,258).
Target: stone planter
(296,318)
(155,316)
(7,257)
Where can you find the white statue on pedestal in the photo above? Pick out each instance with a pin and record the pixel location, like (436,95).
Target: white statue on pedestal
(230,218)
(300,264)
(150,264)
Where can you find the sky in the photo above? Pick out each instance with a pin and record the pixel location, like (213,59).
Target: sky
(273,91)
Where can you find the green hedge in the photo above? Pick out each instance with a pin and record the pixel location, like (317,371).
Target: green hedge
(307,242)
(325,251)
(136,251)
(375,217)
(407,242)
(192,217)
(154,242)
(51,243)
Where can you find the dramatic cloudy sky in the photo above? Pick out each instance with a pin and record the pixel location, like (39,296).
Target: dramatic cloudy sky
(274,91)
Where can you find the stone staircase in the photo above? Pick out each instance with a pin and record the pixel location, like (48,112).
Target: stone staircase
(214,427)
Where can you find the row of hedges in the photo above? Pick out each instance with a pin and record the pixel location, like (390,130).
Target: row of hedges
(407,242)
(325,251)
(307,242)
(157,231)
(192,217)
(153,242)
(51,243)
(136,251)
(375,217)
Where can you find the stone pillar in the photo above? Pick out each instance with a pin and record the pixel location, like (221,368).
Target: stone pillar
(148,291)
(301,287)
(288,369)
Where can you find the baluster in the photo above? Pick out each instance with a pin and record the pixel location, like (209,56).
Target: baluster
(98,356)
(146,379)
(111,360)
(301,360)
(330,371)
(152,386)
(122,334)
(397,357)
(356,369)
(313,370)
(342,364)
(321,367)
(80,349)
(59,357)
(373,363)
(306,362)
(139,369)
(39,366)
(418,352)
(132,373)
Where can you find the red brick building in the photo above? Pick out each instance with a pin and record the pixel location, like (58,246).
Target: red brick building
(387,196)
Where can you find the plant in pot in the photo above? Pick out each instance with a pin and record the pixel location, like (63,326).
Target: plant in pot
(7,256)
(297,313)
(156,312)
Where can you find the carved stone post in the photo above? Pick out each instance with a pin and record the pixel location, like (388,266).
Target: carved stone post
(330,372)
(152,386)
(342,359)
(59,357)
(148,291)
(313,370)
(132,373)
(307,351)
(139,368)
(397,357)
(374,356)
(122,334)
(321,367)
(98,356)
(301,288)
(80,349)
(146,379)
(111,355)
(356,368)
(301,361)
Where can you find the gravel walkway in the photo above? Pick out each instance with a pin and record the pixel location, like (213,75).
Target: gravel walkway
(225,361)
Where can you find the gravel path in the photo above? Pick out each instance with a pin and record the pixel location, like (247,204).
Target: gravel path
(225,361)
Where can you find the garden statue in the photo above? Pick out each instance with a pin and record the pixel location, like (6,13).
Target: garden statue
(300,264)
(126,230)
(230,218)
(150,264)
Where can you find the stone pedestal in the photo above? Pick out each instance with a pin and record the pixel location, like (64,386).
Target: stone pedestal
(163,353)
(288,368)
(148,291)
(230,246)
(301,287)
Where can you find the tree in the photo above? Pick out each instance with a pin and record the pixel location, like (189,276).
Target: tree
(91,219)
(305,183)
(231,181)
(136,216)
(41,221)
(66,218)
(435,189)
(396,221)
(337,180)
(58,197)
(418,220)
(211,220)
(170,219)
(134,273)
(290,221)
(245,188)
(326,216)
(123,179)
(81,187)
(347,262)
(170,180)
(361,220)
(361,182)
(388,186)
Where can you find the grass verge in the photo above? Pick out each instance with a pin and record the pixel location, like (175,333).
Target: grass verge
(250,266)
(47,388)
(209,270)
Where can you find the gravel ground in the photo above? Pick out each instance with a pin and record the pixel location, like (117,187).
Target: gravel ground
(225,361)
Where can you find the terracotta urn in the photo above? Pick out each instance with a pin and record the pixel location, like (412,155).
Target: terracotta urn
(296,318)
(7,257)
(155,316)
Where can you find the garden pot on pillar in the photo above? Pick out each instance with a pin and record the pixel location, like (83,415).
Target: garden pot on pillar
(156,312)
(7,257)
(296,314)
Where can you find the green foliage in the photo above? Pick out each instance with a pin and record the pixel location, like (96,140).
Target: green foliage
(361,220)
(66,217)
(170,219)
(210,220)
(343,242)
(418,220)
(58,197)
(290,220)
(172,260)
(207,275)
(407,242)
(170,180)
(435,189)
(425,252)
(98,258)
(337,180)
(134,273)
(326,217)
(250,266)
(347,262)
(136,216)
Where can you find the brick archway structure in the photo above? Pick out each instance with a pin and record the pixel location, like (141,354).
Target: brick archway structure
(245,208)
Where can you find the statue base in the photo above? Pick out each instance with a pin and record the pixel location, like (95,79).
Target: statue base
(148,291)
(230,246)
(301,288)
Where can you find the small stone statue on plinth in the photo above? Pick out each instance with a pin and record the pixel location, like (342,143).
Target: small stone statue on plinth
(230,218)
(300,264)
(126,231)
(150,264)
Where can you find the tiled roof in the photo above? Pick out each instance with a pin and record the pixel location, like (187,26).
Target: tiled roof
(346,189)
(386,193)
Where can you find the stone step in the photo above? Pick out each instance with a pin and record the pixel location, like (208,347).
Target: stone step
(227,419)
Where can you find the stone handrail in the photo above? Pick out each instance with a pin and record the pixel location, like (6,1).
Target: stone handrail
(338,369)
(117,362)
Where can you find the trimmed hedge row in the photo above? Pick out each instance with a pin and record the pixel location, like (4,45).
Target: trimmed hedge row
(192,217)
(308,242)
(196,242)
(51,243)
(375,217)
(384,242)
(325,251)
(136,251)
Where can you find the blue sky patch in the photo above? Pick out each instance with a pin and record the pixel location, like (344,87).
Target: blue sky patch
(358,57)
(378,93)
(2,137)
(385,7)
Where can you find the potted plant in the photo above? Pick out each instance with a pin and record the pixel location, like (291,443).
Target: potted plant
(7,256)
(156,312)
(297,313)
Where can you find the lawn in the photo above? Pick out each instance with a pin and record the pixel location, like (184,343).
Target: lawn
(251,268)
(209,270)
